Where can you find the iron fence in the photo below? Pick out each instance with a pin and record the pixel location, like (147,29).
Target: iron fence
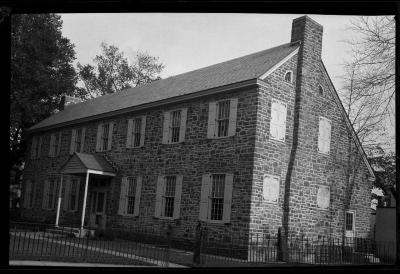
(36,241)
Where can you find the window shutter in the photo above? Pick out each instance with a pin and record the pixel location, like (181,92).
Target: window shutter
(178,194)
(324,137)
(67,187)
(98,137)
(204,196)
(129,133)
(232,117)
(122,196)
(328,136)
(51,147)
(226,218)
(142,131)
(137,195)
(72,146)
(33,147)
(274,121)
(28,185)
(282,122)
(212,109)
(59,143)
(82,139)
(40,148)
(45,200)
(182,129)
(165,136)
(321,135)
(110,134)
(78,186)
(159,193)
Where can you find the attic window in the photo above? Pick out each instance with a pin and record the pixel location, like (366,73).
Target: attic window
(288,76)
(320,90)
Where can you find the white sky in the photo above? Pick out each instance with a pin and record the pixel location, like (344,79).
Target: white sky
(188,41)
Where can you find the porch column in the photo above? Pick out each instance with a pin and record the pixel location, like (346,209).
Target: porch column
(85,198)
(59,200)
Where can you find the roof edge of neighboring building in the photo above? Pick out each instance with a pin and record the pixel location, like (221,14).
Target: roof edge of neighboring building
(347,120)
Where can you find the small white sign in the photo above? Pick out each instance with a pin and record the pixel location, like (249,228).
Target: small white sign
(323,197)
(271,188)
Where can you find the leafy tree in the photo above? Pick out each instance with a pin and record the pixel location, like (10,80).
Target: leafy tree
(41,72)
(113,72)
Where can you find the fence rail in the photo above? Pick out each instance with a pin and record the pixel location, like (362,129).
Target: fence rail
(161,247)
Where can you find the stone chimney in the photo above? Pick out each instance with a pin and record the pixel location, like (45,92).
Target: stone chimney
(68,100)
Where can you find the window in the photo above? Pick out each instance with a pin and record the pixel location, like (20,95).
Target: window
(28,194)
(57,144)
(324,137)
(216,197)
(349,221)
(168,196)
(323,197)
(73,195)
(320,90)
(104,136)
(130,196)
(52,146)
(77,140)
(288,76)
(278,120)
(271,188)
(135,134)
(174,126)
(50,194)
(222,118)
(36,147)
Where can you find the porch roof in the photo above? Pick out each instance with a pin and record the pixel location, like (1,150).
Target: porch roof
(80,163)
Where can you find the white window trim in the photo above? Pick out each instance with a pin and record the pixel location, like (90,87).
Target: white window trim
(269,133)
(330,141)
(354,220)
(291,76)
(279,189)
(229,120)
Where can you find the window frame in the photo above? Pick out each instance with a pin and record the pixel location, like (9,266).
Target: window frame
(165,197)
(285,121)
(225,119)
(211,197)
(134,181)
(353,213)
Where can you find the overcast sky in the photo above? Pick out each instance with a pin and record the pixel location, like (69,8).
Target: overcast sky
(185,42)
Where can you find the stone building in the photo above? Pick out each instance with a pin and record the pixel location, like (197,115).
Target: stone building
(246,145)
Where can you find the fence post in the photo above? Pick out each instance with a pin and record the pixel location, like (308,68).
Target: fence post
(197,244)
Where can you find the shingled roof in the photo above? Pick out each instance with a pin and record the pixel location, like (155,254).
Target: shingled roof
(233,71)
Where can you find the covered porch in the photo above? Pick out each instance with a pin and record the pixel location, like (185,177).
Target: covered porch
(97,174)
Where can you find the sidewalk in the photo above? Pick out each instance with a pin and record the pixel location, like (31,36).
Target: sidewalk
(68,264)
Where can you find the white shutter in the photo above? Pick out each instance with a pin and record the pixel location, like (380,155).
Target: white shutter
(328,136)
(137,195)
(51,147)
(82,140)
(72,146)
(59,143)
(212,109)
(232,117)
(321,135)
(40,148)
(110,134)
(226,218)
(274,131)
(33,148)
(205,196)
(159,194)
(98,137)
(165,136)
(282,122)
(129,133)
(78,186)
(67,187)
(182,129)
(178,194)
(324,135)
(122,196)
(28,189)
(45,199)
(143,131)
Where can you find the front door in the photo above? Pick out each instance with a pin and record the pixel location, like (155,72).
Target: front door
(97,208)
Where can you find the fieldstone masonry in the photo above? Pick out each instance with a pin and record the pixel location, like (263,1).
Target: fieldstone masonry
(249,155)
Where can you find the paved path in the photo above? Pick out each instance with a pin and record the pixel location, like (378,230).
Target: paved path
(48,263)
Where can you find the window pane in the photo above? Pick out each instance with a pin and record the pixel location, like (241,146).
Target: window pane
(131,195)
(349,221)
(217,196)
(72,195)
(169,196)
(137,125)
(104,137)
(223,117)
(78,138)
(175,125)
